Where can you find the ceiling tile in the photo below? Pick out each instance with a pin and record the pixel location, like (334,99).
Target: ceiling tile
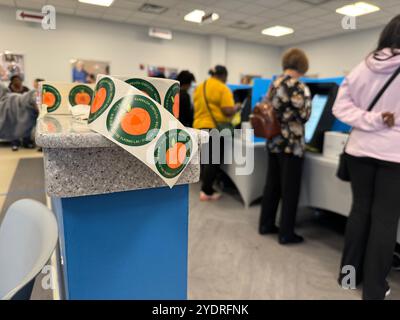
(164,3)
(309,21)
(201,2)
(118,12)
(273,3)
(92,8)
(29,4)
(295,7)
(63,3)
(88,13)
(128,4)
(331,17)
(64,10)
(335,4)
(228,4)
(249,9)
(234,16)
(9,3)
(272,13)
(314,12)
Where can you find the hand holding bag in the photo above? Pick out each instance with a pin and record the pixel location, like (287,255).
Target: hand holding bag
(343,171)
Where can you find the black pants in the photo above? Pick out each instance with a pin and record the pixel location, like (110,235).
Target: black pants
(211,165)
(372,225)
(283,182)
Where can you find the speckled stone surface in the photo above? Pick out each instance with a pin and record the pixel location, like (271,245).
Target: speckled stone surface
(66,132)
(81,162)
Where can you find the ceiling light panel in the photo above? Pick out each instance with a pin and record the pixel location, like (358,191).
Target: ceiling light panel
(277,31)
(357,9)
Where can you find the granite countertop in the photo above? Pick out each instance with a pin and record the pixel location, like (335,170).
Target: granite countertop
(64,131)
(81,162)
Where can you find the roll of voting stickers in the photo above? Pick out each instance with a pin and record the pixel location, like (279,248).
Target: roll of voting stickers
(103,97)
(61,98)
(163,91)
(172,152)
(134,120)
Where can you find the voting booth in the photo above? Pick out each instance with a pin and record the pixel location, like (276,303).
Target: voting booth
(243,94)
(323,92)
(322,118)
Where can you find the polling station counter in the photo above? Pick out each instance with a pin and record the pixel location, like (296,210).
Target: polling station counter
(123,231)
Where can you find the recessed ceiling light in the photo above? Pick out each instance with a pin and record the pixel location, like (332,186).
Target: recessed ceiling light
(357,9)
(277,31)
(199,16)
(103,3)
(195,16)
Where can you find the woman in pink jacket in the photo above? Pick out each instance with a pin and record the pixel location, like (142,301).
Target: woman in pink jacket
(373,160)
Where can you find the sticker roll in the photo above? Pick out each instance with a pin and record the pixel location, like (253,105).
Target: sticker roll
(60,97)
(164,91)
(142,126)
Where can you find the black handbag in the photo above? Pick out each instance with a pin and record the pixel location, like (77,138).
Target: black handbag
(221,126)
(343,172)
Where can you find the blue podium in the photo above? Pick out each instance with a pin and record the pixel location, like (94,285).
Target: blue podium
(123,232)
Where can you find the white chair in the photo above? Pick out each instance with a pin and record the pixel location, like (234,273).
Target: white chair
(28,236)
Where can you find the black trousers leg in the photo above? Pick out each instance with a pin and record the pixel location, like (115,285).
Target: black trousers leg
(357,230)
(212,167)
(291,172)
(272,193)
(15,142)
(382,236)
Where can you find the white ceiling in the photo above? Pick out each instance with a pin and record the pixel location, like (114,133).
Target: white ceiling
(309,21)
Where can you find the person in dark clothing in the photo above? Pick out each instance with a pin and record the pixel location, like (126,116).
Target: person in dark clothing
(291,100)
(186,79)
(213,105)
(15,113)
(16,86)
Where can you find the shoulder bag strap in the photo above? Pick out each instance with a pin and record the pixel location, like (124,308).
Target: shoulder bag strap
(207,105)
(379,95)
(382,91)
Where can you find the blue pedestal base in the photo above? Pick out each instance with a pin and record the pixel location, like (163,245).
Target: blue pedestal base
(127,245)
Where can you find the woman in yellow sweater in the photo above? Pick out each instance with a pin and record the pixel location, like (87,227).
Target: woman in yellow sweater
(213,105)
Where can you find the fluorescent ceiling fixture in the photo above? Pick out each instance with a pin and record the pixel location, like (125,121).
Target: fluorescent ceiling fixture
(357,9)
(103,3)
(199,16)
(195,16)
(277,31)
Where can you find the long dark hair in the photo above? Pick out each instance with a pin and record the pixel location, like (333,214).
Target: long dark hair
(390,38)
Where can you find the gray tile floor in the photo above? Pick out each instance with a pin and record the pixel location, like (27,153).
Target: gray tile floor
(229,260)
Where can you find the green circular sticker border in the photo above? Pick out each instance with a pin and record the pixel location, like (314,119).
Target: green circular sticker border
(164,140)
(142,85)
(109,85)
(80,87)
(171,93)
(54,90)
(121,136)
